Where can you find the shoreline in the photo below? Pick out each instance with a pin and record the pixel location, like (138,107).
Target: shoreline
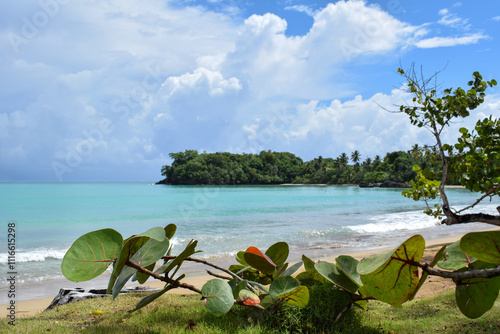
(34,306)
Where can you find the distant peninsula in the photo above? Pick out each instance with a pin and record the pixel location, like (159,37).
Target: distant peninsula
(266,168)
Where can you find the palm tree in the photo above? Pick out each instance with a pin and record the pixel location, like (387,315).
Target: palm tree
(355,156)
(343,159)
(367,164)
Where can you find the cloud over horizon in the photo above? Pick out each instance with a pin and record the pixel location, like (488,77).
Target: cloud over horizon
(100,91)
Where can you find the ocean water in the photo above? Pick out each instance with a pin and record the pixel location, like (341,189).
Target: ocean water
(317,221)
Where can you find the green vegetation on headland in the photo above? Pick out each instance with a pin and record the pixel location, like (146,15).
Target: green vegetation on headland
(267,167)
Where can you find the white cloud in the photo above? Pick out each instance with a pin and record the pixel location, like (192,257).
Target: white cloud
(301,8)
(138,79)
(452,20)
(363,124)
(435,42)
(496,18)
(211,81)
(271,64)
(354,29)
(357,124)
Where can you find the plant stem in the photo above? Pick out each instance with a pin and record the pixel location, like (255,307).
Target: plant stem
(172,257)
(166,279)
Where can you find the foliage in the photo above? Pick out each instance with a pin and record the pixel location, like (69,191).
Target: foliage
(318,316)
(474,161)
(396,276)
(191,167)
(136,256)
(175,313)
(263,280)
(424,188)
(480,170)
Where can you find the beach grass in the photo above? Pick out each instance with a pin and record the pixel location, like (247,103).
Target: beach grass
(186,313)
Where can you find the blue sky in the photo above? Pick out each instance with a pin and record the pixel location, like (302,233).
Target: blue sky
(104,90)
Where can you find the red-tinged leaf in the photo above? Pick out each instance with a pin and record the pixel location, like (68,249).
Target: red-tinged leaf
(256,251)
(260,261)
(248,298)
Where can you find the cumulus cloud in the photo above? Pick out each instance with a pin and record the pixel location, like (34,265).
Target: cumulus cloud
(271,63)
(344,126)
(131,82)
(353,28)
(212,81)
(372,125)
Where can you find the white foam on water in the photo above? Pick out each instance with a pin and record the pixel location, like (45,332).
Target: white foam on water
(35,255)
(401,221)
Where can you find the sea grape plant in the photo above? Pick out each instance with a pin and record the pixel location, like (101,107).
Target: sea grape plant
(264,279)
(396,276)
(136,258)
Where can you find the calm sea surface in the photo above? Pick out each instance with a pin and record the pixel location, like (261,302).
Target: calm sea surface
(315,220)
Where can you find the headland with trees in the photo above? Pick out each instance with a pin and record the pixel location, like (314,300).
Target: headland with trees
(267,167)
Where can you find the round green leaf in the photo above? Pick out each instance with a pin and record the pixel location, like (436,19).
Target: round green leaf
(240,257)
(218,297)
(477,295)
(278,253)
(238,287)
(454,258)
(130,246)
(91,254)
(148,254)
(170,230)
(298,297)
(333,274)
(282,286)
(484,246)
(392,277)
(348,265)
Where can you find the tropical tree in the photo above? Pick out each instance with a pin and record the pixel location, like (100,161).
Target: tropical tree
(355,157)
(474,161)
(343,159)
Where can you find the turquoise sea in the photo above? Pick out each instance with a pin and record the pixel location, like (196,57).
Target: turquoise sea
(317,221)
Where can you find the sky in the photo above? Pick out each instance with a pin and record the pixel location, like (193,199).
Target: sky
(105,90)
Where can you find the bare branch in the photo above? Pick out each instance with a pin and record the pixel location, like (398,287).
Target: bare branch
(166,279)
(454,219)
(489,193)
(218,276)
(171,257)
(461,275)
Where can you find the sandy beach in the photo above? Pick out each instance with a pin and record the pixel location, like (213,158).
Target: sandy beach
(433,285)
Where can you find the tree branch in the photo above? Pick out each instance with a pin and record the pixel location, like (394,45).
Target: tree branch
(461,275)
(471,218)
(171,257)
(218,276)
(166,279)
(489,193)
